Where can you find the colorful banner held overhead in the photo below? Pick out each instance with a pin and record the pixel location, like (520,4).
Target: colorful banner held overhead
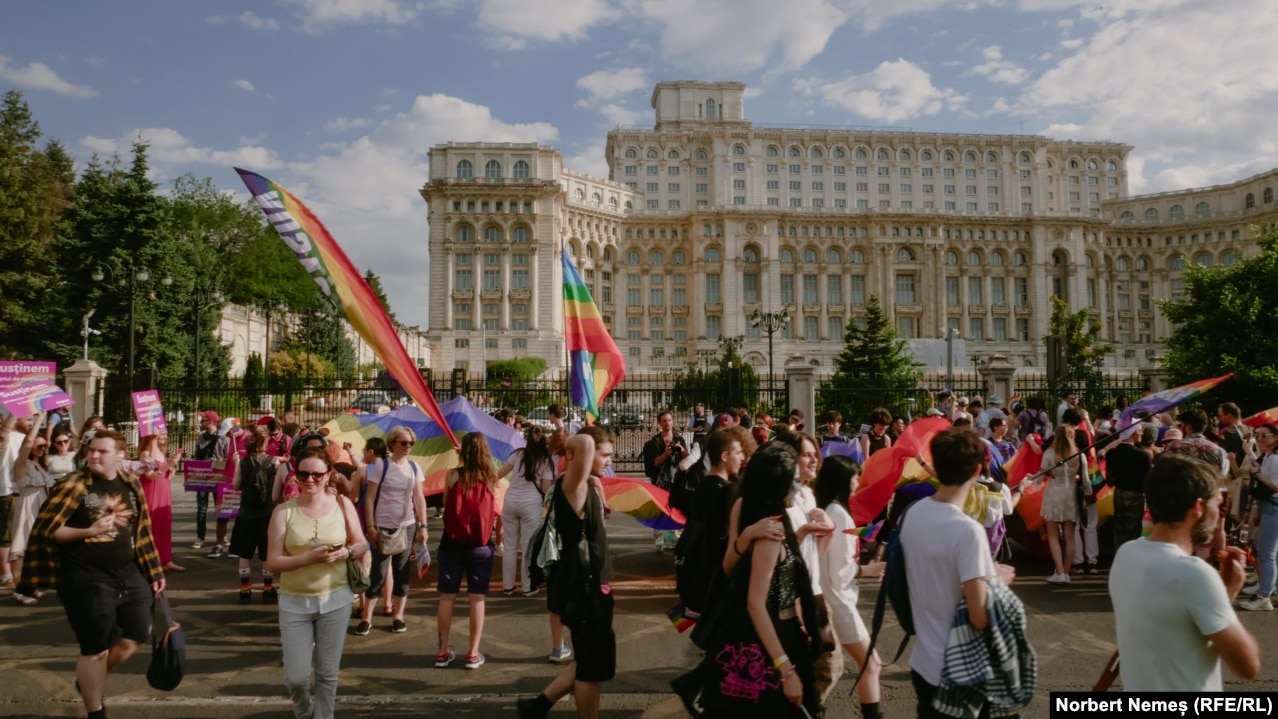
(1152,404)
(28,388)
(150,413)
(595,363)
(333,271)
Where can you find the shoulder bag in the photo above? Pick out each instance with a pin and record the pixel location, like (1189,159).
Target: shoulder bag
(394,541)
(356,575)
(168,647)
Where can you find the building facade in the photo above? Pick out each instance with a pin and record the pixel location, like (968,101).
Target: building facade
(706,219)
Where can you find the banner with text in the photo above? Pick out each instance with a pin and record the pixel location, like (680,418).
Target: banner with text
(204,475)
(149,413)
(28,388)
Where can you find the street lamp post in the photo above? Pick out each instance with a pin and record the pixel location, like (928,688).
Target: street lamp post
(950,335)
(130,279)
(770,322)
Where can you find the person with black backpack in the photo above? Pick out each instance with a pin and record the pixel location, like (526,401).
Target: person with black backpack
(253,478)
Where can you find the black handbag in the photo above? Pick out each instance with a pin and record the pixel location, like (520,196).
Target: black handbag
(168,647)
(1259,490)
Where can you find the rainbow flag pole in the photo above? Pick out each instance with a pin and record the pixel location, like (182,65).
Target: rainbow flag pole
(333,271)
(595,364)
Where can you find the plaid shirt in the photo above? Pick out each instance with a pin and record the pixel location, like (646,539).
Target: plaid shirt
(40,563)
(997,667)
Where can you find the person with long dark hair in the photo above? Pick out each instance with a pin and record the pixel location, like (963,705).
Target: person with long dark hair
(531,471)
(840,566)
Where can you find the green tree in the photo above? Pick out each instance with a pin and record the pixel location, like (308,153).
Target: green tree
(375,284)
(875,369)
(1084,353)
(254,379)
(1228,322)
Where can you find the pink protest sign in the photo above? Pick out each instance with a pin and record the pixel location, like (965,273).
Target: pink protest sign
(149,413)
(28,388)
(203,475)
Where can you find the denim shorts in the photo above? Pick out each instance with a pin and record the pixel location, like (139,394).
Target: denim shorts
(476,564)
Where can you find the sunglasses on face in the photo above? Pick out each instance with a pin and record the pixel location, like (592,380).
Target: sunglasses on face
(315,477)
(405,443)
(1263,435)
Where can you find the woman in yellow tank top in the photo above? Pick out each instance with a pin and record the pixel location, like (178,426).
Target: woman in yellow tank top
(309,540)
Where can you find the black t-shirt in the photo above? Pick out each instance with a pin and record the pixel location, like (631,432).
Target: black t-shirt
(110,555)
(257,474)
(1126,466)
(1231,440)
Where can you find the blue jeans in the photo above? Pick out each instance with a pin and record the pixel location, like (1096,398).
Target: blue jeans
(313,641)
(1267,547)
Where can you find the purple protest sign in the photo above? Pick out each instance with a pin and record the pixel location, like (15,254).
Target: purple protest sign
(149,413)
(203,475)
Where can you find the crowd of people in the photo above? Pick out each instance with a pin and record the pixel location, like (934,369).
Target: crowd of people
(769,511)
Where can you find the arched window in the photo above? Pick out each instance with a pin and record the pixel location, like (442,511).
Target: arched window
(1142,264)
(738,150)
(492,234)
(579,195)
(861,154)
(786,256)
(884,155)
(631,153)
(838,153)
(773,151)
(492,170)
(951,257)
(974,259)
(1091,164)
(816,153)
(1176,213)
(969,157)
(1024,158)
(795,152)
(1090,262)
(750,255)
(701,154)
(926,155)
(1202,209)
(672,155)
(903,155)
(1127,215)
(464,234)
(652,154)
(521,170)
(1073,164)
(856,257)
(1018,259)
(520,235)
(1177,263)
(991,157)
(1121,264)
(1111,165)
(465,170)
(632,258)
(712,254)
(1250,202)
(612,203)
(1203,260)
(1151,214)
(656,258)
(607,254)
(904,255)
(833,256)
(996,258)
(595,198)
(809,255)
(948,156)
(710,108)
(678,257)
(1230,259)
(1269,195)
(629,205)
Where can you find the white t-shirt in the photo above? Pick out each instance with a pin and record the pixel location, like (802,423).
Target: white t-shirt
(1166,604)
(802,502)
(521,490)
(943,548)
(8,457)
(392,491)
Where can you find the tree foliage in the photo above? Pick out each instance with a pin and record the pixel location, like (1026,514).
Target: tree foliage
(1228,322)
(875,369)
(375,284)
(1084,352)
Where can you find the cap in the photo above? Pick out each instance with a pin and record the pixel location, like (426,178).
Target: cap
(724,420)
(933,412)
(995,400)
(265,421)
(210,416)
(1172,435)
(962,400)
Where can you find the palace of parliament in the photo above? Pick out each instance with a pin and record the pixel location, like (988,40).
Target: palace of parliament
(706,218)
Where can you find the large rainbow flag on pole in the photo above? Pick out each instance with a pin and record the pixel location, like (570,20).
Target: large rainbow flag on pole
(595,363)
(1152,404)
(333,271)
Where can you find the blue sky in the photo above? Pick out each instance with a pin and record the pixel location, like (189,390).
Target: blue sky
(339,100)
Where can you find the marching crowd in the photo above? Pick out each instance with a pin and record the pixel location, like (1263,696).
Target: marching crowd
(769,562)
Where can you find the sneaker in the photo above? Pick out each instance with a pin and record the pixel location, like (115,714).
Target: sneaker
(474,661)
(444,658)
(197,544)
(363,628)
(1076,569)
(1091,569)
(232,556)
(270,596)
(218,552)
(246,595)
(7,584)
(532,592)
(1250,591)
(688,687)
(1058,579)
(398,626)
(559,654)
(1257,604)
(509,592)
(24,600)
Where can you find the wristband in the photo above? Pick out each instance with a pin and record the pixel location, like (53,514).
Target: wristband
(780,660)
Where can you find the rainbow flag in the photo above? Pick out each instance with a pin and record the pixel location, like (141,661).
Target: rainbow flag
(333,271)
(1152,404)
(649,505)
(678,616)
(596,365)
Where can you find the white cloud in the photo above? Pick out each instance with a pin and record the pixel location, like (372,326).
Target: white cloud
(39,76)
(320,15)
(244,85)
(253,22)
(591,160)
(892,92)
(342,124)
(516,22)
(998,69)
(618,115)
(387,92)
(608,84)
(171,151)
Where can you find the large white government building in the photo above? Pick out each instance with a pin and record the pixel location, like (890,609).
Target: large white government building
(706,218)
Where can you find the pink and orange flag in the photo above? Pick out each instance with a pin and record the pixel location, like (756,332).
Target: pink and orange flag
(343,285)
(885,467)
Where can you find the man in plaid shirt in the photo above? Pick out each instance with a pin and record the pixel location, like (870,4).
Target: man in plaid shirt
(92,542)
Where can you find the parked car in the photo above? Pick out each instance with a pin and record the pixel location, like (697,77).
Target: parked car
(375,400)
(540,416)
(621,415)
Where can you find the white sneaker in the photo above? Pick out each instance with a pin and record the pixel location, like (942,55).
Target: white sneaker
(1058,579)
(1251,591)
(1257,604)
(559,654)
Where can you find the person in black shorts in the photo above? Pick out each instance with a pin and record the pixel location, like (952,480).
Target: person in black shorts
(253,478)
(588,615)
(92,542)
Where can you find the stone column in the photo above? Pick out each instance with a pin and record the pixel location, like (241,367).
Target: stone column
(801,386)
(1155,378)
(84,382)
(997,374)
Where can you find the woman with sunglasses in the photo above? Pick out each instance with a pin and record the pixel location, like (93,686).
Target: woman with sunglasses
(60,461)
(394,506)
(1264,468)
(31,474)
(309,540)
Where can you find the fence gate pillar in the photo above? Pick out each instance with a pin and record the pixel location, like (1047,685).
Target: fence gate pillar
(85,380)
(1155,378)
(996,375)
(801,385)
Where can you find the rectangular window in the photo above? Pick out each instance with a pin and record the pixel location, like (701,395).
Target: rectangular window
(862,204)
(787,289)
(774,201)
(679,296)
(773,168)
(462,343)
(774,185)
(652,186)
(632,170)
(885,187)
(464,260)
(652,170)
(463,280)
(738,167)
(750,287)
(884,171)
(1000,329)
(809,289)
(672,170)
(672,204)
(818,202)
(796,185)
(976,329)
(462,324)
(998,294)
(818,186)
(634,297)
(633,335)
(672,187)
(810,328)
(952,291)
(703,187)
(1073,179)
(991,190)
(834,328)
(948,172)
(862,187)
(1091,292)
(738,184)
(703,171)
(714,327)
(713,295)
(738,200)
(949,205)
(796,202)
(839,170)
(907,189)
(970,189)
(656,296)
(927,189)
(992,207)
(834,289)
(818,169)
(840,203)
(840,186)
(519,343)
(949,189)
(654,204)
(969,173)
(976,290)
(905,327)
(492,309)
(1020,288)
(862,170)
(1022,329)
(971,207)
(905,289)
(905,172)
(795,169)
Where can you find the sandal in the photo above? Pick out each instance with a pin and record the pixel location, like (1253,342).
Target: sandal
(171,567)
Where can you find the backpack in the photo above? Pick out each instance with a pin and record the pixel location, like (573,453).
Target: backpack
(896,589)
(684,488)
(469,515)
(696,567)
(256,479)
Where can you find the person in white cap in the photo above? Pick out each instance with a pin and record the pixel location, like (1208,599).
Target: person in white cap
(993,408)
(960,410)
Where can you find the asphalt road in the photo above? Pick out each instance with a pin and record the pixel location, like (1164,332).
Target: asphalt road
(234,660)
